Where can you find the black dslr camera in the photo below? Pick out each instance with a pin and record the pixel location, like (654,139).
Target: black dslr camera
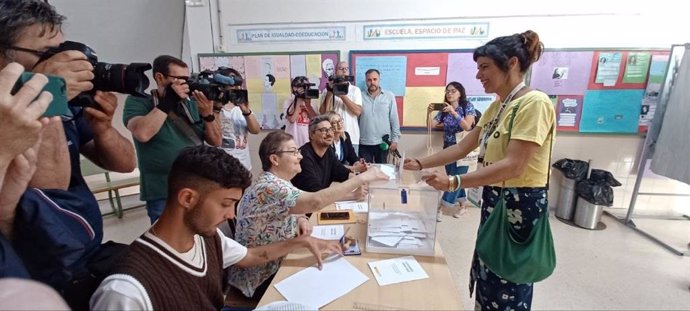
(215,86)
(339,85)
(121,78)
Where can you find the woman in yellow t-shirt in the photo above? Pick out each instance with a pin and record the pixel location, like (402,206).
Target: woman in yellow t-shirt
(518,165)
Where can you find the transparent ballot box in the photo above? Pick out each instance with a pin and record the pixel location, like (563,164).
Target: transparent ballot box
(402,219)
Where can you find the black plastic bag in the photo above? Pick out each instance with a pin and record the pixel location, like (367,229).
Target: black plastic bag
(573,169)
(603,177)
(595,192)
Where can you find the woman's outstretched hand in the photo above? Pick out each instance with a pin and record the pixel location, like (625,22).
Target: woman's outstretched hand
(411,164)
(436,179)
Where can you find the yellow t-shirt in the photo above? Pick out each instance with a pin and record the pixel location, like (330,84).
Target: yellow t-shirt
(533,121)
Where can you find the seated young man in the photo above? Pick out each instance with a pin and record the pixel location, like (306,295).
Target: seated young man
(320,165)
(178,263)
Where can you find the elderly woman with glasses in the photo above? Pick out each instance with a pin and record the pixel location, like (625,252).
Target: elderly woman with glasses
(342,145)
(456,118)
(272,209)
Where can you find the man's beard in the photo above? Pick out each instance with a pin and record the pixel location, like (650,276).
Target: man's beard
(193,219)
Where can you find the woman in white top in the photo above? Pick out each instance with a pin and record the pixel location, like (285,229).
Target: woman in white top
(299,111)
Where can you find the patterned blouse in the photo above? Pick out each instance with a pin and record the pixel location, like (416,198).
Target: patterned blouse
(263,218)
(451,124)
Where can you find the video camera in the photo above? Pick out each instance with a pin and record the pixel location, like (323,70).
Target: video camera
(121,78)
(340,84)
(309,92)
(303,83)
(215,86)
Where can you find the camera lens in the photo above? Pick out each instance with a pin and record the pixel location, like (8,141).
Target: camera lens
(121,78)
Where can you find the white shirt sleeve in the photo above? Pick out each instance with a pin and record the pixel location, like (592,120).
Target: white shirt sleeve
(120,292)
(356,95)
(233,252)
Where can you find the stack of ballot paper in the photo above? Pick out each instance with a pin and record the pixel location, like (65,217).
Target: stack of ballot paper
(397,270)
(398,230)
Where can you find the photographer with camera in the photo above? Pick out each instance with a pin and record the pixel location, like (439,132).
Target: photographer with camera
(164,123)
(298,109)
(236,119)
(31,36)
(57,227)
(345,99)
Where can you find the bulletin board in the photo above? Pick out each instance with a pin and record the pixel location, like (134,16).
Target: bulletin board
(268,75)
(602,91)
(418,78)
(593,91)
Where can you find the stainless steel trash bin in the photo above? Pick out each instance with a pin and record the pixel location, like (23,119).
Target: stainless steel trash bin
(567,198)
(587,215)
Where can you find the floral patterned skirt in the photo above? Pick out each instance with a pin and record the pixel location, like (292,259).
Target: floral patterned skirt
(524,206)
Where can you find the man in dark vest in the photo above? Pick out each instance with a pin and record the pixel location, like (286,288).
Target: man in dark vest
(178,263)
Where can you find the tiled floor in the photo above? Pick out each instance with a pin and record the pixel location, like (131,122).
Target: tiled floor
(613,269)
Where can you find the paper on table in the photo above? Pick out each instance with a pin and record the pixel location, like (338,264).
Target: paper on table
(284,305)
(397,270)
(355,206)
(328,232)
(318,288)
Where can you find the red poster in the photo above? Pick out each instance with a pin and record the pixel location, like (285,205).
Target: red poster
(399,104)
(426,69)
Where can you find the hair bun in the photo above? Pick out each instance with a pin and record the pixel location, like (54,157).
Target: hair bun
(534,46)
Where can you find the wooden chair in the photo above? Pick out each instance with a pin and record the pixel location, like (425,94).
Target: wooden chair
(113,187)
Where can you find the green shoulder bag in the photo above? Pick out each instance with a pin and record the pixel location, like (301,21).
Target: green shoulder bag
(516,259)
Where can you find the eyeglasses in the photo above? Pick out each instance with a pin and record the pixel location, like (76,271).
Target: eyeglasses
(178,77)
(451,91)
(337,121)
(32,51)
(344,69)
(293,152)
(325,130)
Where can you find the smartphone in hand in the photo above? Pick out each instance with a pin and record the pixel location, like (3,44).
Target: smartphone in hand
(56,86)
(438,106)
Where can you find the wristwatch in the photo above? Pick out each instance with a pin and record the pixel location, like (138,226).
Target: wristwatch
(248,113)
(209,118)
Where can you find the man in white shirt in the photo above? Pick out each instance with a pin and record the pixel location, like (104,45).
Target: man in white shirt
(178,263)
(348,106)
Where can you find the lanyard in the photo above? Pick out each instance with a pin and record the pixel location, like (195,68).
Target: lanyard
(491,127)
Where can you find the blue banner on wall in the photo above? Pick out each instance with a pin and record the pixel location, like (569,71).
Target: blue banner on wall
(611,111)
(392,68)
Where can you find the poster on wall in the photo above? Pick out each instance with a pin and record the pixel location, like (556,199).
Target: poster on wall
(417,99)
(568,112)
(657,73)
(392,68)
(608,68)
(463,69)
(481,102)
(426,69)
(267,78)
(562,72)
(611,111)
(636,67)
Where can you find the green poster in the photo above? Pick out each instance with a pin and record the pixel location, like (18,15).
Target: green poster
(636,67)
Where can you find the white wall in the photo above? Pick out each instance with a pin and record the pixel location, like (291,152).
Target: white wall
(573,25)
